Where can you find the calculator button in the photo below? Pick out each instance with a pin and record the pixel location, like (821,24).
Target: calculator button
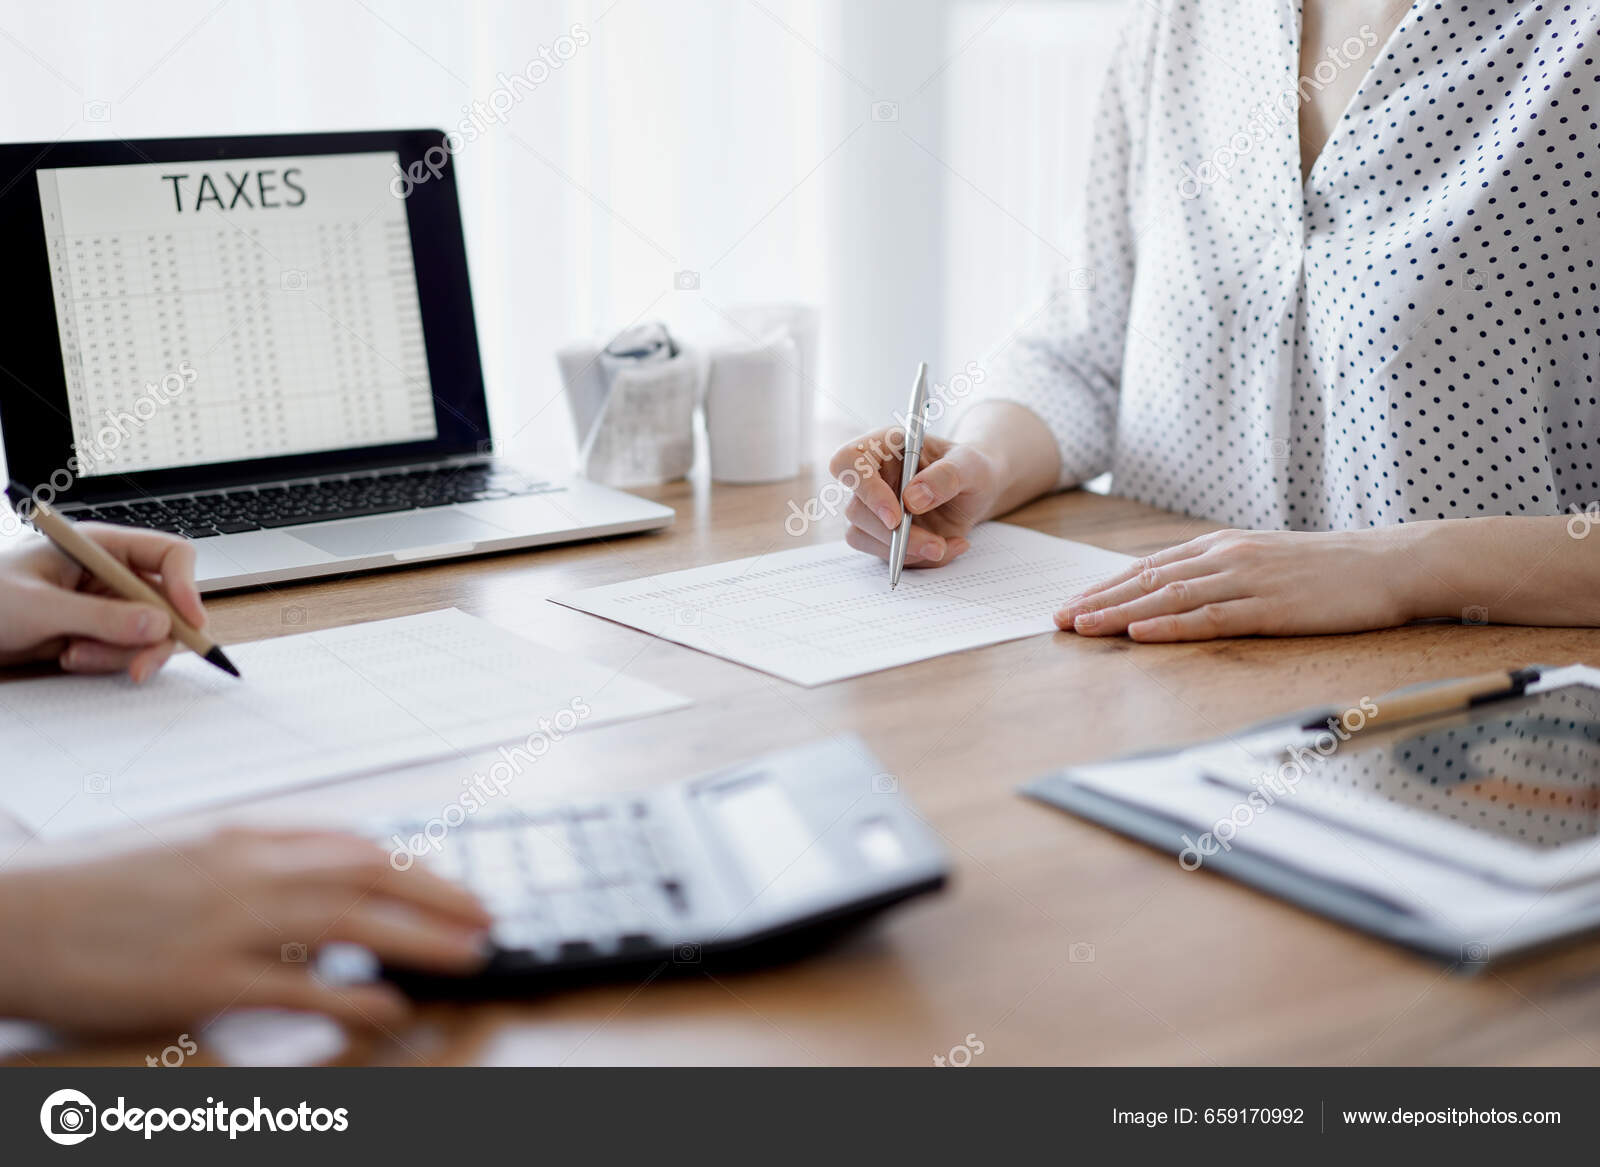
(674,893)
(510,934)
(550,857)
(607,860)
(568,915)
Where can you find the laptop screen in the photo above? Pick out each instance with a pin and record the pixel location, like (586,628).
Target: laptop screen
(229,310)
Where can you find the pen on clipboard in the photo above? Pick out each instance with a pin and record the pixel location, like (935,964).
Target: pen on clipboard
(909,460)
(1448,697)
(120,578)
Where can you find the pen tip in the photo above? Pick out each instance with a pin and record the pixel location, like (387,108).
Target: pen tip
(217,657)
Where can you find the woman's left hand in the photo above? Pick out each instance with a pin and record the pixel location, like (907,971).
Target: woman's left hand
(1249,583)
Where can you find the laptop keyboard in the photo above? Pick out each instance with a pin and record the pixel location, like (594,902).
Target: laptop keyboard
(228,512)
(572,884)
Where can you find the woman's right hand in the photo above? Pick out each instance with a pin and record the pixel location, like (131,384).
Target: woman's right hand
(954,490)
(173,936)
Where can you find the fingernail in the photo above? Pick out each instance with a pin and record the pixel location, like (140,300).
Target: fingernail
(890,519)
(933,549)
(918,496)
(143,623)
(1086,620)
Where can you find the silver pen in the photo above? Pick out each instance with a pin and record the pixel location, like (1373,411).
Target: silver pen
(909,459)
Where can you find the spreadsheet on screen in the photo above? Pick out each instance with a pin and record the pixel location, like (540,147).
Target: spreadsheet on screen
(218,311)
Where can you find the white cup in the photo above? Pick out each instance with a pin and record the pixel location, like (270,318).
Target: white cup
(750,410)
(803,323)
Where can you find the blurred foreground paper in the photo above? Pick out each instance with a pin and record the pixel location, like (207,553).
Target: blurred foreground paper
(92,753)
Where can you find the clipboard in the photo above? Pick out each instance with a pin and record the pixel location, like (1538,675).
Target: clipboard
(1298,874)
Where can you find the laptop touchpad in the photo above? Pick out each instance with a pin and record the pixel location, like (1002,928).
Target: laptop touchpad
(384,534)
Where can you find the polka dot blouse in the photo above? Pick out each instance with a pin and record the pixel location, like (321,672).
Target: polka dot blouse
(1408,334)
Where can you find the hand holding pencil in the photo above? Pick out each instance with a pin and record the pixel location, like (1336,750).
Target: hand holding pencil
(65,611)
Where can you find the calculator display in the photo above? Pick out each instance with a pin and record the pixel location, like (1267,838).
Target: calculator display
(779,853)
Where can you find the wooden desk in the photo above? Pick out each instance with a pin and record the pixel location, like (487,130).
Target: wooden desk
(1058,942)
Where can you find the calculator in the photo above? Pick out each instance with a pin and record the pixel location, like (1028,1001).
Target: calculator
(734,866)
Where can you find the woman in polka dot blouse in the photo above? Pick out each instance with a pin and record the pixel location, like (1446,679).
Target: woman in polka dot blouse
(1337,284)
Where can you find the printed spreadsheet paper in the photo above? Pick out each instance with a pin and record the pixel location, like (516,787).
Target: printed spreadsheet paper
(92,753)
(819,614)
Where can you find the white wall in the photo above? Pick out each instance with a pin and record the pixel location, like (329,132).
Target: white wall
(1020,103)
(732,138)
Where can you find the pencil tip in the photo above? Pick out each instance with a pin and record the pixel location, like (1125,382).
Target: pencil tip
(217,657)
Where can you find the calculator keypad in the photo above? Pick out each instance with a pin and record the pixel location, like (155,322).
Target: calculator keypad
(571,885)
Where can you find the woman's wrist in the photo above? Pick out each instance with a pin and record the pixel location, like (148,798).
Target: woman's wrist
(1419,570)
(1000,467)
(1467,569)
(1019,448)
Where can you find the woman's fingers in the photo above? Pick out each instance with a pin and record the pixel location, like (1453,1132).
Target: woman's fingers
(1178,596)
(113,622)
(93,656)
(923,544)
(422,889)
(156,553)
(870,461)
(1149,580)
(401,935)
(941,481)
(861,517)
(948,548)
(358,868)
(147,662)
(295,987)
(1145,567)
(862,541)
(875,494)
(1242,617)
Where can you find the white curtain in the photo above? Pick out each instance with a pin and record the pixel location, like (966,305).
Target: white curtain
(899,162)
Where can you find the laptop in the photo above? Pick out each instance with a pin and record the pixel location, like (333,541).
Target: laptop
(266,345)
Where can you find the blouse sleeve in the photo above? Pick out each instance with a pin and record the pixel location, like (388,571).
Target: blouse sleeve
(1065,361)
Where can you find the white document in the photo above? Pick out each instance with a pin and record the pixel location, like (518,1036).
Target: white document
(92,753)
(817,614)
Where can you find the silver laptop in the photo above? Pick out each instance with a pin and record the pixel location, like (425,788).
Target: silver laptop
(267,345)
